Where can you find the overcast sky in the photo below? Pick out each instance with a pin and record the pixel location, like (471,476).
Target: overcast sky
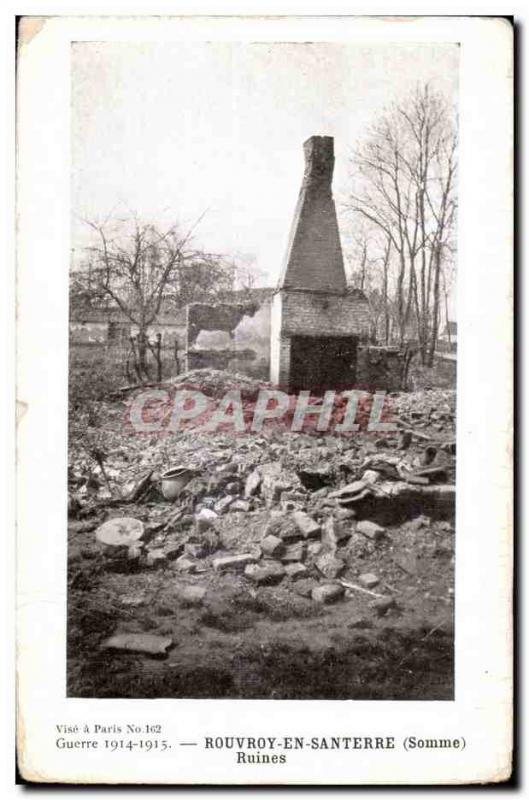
(170,130)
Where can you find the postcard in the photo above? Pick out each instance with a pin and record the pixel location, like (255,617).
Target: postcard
(265,400)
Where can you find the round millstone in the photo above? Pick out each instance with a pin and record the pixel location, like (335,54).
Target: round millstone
(120,532)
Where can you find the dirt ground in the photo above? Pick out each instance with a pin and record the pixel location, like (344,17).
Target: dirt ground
(387,634)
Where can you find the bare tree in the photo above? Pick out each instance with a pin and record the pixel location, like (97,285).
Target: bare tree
(139,268)
(404,187)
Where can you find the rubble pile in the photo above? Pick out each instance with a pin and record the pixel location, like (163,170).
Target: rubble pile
(320,517)
(216,382)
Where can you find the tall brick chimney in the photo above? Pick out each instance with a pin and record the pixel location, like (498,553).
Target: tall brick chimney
(314,254)
(316,321)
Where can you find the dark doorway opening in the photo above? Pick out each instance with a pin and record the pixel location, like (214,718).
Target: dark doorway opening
(322,362)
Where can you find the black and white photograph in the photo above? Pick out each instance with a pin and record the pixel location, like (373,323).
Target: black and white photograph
(262,371)
(264,442)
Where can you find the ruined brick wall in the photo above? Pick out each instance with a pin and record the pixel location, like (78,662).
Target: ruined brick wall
(380,368)
(214,317)
(252,336)
(229,336)
(315,314)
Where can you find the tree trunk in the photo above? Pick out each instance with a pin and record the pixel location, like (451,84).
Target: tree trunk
(385,292)
(142,354)
(435,315)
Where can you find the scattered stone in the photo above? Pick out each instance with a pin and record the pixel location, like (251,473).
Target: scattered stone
(418,523)
(327,593)
(240,505)
(156,558)
(370,529)
(329,565)
(253,482)
(275,482)
(314,548)
(368,580)
(349,490)
(185,564)
(138,643)
(282,526)
(344,513)
(222,505)
(205,519)
(308,527)
(233,487)
(196,549)
(234,562)
(227,469)
(269,572)
(134,552)
(382,605)
(272,545)
(333,533)
(295,552)
(296,571)
(370,476)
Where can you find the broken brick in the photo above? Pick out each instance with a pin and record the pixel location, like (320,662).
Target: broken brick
(272,545)
(294,552)
(370,529)
(267,573)
(308,527)
(329,565)
(327,593)
(234,562)
(296,571)
(253,482)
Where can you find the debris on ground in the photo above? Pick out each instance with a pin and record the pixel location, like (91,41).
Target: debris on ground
(353,535)
(138,643)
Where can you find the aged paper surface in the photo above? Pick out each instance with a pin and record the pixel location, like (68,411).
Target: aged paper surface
(219,580)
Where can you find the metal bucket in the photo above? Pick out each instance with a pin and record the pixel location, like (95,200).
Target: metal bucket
(174,480)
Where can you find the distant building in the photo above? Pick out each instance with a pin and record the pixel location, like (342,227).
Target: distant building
(448,338)
(105,326)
